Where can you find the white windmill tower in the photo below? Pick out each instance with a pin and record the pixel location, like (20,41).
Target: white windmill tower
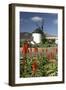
(38,32)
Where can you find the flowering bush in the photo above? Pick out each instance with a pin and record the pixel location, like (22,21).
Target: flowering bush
(37,62)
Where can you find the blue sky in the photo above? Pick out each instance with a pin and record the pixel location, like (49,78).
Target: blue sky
(30,20)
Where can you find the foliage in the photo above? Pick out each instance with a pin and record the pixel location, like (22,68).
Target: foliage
(38,63)
(21,42)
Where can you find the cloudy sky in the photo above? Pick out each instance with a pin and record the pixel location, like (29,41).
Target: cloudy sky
(30,21)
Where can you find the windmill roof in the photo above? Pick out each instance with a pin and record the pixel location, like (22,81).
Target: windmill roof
(38,30)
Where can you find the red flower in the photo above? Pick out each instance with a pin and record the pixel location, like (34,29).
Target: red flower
(34,66)
(52,55)
(30,50)
(35,50)
(46,50)
(48,56)
(25,48)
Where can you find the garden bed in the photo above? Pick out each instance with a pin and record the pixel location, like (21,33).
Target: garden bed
(38,62)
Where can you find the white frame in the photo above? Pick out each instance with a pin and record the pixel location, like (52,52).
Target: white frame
(17,29)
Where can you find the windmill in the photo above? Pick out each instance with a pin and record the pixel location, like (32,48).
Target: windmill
(42,24)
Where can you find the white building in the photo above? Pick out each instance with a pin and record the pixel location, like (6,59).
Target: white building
(36,37)
(38,33)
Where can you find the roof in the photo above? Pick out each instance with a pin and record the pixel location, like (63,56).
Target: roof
(38,30)
(49,35)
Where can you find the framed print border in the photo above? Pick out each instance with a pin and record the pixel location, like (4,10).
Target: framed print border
(12,31)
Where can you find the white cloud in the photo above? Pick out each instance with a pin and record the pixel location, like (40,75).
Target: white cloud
(36,19)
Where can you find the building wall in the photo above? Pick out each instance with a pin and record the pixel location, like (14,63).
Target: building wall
(36,37)
(51,37)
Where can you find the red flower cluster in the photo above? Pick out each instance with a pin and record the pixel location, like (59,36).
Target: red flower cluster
(30,50)
(34,66)
(25,48)
(35,50)
(46,50)
(50,55)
